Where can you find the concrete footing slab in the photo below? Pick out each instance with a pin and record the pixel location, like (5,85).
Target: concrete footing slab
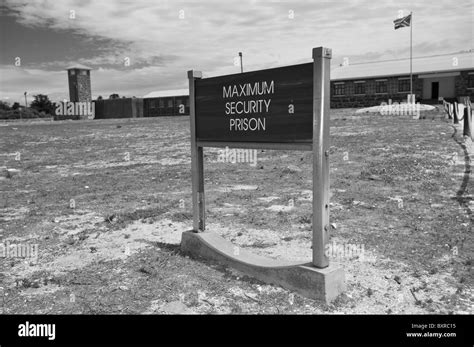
(301,277)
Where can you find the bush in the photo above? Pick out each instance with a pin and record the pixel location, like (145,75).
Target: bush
(22,113)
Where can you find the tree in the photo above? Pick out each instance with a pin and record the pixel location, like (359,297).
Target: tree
(114,96)
(4,105)
(41,103)
(99,97)
(15,106)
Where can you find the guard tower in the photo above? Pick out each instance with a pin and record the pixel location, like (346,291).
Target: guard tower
(79,79)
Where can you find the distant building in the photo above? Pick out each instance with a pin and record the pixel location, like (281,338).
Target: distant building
(154,104)
(434,77)
(79,79)
(118,108)
(166,103)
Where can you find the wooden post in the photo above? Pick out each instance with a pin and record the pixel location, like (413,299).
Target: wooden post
(467,128)
(197,165)
(321,98)
(447,108)
(455,112)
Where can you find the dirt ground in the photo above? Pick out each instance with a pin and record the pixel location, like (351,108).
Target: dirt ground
(101,205)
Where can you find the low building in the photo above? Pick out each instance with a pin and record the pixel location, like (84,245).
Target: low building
(118,108)
(166,103)
(434,77)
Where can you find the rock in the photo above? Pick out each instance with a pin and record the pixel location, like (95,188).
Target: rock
(375,178)
(292,169)
(9,173)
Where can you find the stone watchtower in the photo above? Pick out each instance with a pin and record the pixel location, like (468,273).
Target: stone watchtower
(79,78)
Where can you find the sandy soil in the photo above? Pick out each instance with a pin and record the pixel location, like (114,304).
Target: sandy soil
(106,202)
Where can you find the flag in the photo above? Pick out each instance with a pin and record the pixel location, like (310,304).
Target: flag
(402,22)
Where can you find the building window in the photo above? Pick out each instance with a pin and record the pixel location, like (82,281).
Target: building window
(381,86)
(339,89)
(170,102)
(359,88)
(72,72)
(178,102)
(162,103)
(152,103)
(470,80)
(83,72)
(404,85)
(187,102)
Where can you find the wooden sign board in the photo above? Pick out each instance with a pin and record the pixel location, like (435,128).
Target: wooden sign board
(273,105)
(281,108)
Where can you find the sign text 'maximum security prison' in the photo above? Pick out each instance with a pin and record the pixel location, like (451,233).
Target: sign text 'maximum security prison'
(247,106)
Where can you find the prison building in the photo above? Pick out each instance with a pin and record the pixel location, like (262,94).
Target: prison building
(166,103)
(434,77)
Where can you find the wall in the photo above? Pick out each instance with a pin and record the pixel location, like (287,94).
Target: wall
(461,84)
(152,106)
(79,85)
(370,98)
(119,108)
(446,87)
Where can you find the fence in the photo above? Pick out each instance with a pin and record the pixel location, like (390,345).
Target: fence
(460,109)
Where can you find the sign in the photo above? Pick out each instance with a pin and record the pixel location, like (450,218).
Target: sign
(282,108)
(274,105)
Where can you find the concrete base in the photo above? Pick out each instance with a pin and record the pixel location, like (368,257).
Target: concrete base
(303,278)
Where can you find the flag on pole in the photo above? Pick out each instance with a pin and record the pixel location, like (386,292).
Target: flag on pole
(402,22)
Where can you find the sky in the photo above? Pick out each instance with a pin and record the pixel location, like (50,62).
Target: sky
(138,46)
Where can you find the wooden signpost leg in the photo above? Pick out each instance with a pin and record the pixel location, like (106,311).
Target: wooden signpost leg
(321,93)
(197,165)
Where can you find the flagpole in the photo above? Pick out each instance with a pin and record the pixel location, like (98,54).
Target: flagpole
(411,49)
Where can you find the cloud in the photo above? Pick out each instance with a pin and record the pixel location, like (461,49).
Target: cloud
(164,39)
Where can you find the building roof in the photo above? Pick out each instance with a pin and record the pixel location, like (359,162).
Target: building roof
(165,93)
(78,66)
(438,63)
